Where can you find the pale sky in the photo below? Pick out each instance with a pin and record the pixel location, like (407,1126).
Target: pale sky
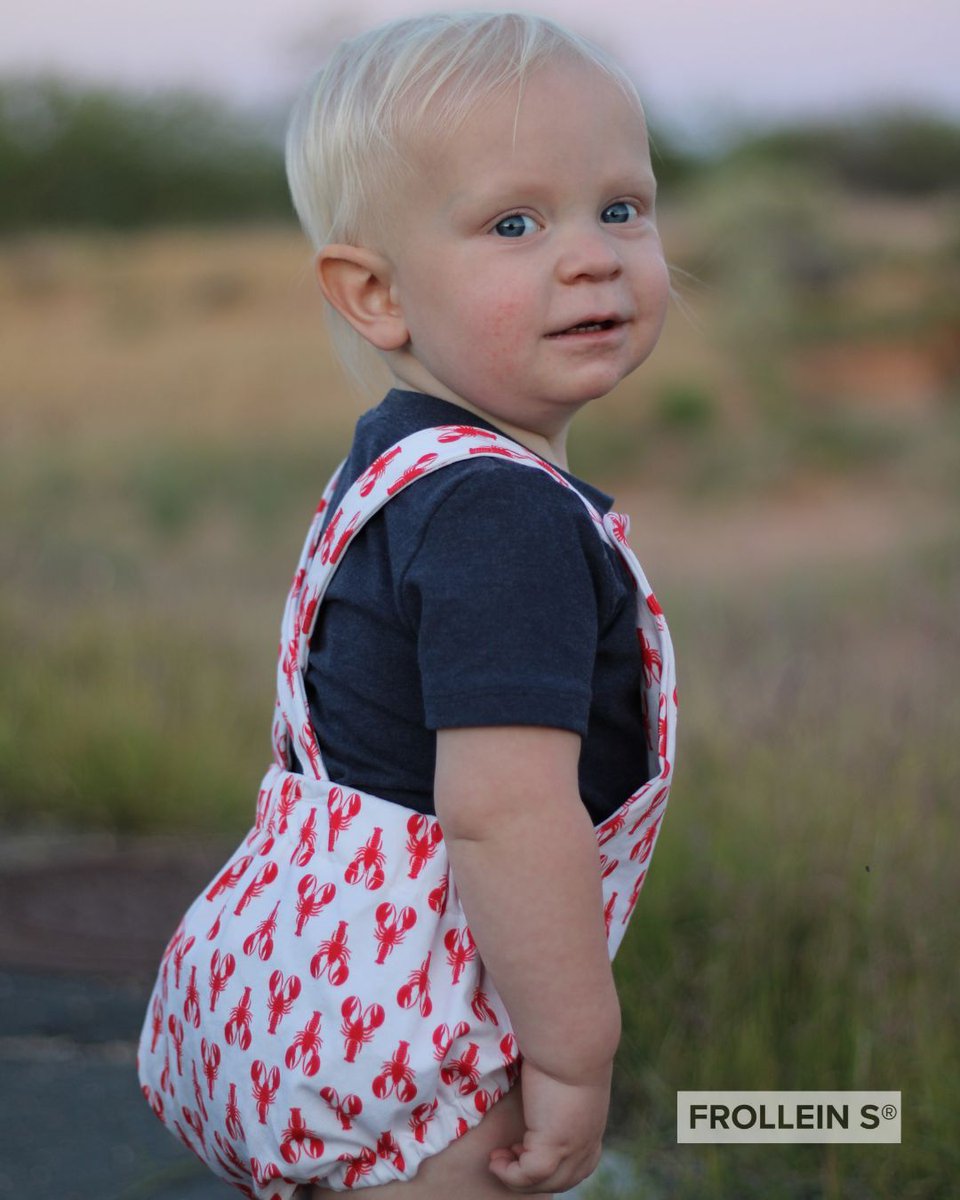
(696,63)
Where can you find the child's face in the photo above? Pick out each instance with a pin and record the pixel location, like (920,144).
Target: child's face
(525,254)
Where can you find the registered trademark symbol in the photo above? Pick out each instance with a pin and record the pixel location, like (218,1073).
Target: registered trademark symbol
(889,1111)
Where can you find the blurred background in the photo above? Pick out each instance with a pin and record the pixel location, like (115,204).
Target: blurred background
(790,456)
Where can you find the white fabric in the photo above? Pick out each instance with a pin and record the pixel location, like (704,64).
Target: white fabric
(321,1014)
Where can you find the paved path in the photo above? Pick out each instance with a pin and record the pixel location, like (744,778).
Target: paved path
(84,921)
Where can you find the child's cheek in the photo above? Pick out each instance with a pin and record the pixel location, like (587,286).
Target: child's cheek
(507,320)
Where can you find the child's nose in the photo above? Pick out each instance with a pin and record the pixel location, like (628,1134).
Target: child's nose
(588,253)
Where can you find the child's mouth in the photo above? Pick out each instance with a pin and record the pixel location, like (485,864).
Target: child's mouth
(587,327)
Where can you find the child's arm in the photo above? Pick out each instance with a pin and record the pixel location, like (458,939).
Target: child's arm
(525,860)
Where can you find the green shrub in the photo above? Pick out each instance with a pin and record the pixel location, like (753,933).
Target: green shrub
(73,156)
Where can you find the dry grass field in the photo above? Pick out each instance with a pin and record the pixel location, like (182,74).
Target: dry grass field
(790,458)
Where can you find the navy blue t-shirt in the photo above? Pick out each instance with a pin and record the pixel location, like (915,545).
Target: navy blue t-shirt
(482,594)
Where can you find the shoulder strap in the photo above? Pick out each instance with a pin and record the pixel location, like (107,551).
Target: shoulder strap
(410,459)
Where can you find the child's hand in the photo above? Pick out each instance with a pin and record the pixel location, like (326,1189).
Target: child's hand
(562,1139)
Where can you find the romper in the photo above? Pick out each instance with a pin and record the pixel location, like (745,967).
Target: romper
(321,1015)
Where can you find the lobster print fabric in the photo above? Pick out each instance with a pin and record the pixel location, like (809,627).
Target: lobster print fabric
(321,1014)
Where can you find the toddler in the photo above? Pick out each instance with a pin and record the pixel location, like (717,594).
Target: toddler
(401,979)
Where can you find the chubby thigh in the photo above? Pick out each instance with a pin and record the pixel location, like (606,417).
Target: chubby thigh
(460,1171)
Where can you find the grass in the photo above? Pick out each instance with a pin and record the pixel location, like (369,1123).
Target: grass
(799,928)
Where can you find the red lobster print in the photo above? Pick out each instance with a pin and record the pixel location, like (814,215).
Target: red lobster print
(290,793)
(651,659)
(233,1121)
(332,958)
(234,1170)
(307,845)
(156,1023)
(481,1007)
(520,456)
(264,797)
(299,576)
(417,989)
(389,1148)
(265,1174)
(437,899)
(608,866)
(198,1091)
(634,896)
(291,661)
(421,1117)
(326,541)
(608,910)
(392,928)
(222,968)
(500,452)
(444,1037)
(230,877)
(260,942)
(371,477)
(175,1026)
(194,1120)
(620,523)
(233,1167)
(210,1056)
(510,1050)
(296,1139)
(483,1100)
(332,556)
(424,841)
(359,1025)
(411,473)
(465,1070)
(358,1165)
(453,433)
(315,534)
(311,900)
(644,847)
(181,952)
(304,1050)
(346,1110)
(154,1100)
(267,833)
(662,733)
(265,1086)
(651,808)
(342,812)
(612,828)
(367,864)
(397,1076)
(283,992)
(191,1003)
(308,744)
(215,927)
(238,1029)
(461,949)
(265,876)
(307,613)
(280,738)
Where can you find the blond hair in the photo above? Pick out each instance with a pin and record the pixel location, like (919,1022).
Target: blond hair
(348,131)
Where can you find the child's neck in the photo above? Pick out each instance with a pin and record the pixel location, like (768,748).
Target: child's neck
(550,447)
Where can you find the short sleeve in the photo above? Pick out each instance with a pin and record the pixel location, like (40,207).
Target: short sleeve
(503,597)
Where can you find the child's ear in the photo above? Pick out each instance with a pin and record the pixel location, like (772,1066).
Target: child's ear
(358,283)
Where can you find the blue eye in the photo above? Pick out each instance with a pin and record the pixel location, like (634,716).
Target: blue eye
(516,225)
(619,213)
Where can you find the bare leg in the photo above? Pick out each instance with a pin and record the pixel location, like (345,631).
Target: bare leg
(460,1172)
